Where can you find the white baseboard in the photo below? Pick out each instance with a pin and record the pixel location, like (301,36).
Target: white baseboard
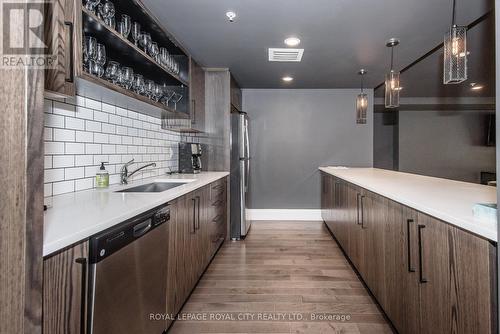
(285,214)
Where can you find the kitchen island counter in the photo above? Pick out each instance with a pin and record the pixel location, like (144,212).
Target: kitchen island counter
(447,200)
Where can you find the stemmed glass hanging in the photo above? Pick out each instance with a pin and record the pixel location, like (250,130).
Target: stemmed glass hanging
(176,99)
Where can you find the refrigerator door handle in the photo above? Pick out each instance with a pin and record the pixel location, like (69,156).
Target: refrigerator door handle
(247,141)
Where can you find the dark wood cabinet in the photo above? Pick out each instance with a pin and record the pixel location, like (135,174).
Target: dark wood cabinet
(427,275)
(61,27)
(197,94)
(65,291)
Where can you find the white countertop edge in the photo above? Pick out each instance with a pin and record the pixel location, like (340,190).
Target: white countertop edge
(481,228)
(51,246)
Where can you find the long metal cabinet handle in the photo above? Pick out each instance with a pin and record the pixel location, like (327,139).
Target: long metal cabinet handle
(357,207)
(408,244)
(72,48)
(194,216)
(193,119)
(362,209)
(83,306)
(198,198)
(421,255)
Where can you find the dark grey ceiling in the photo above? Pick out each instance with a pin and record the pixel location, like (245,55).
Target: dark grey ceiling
(339,36)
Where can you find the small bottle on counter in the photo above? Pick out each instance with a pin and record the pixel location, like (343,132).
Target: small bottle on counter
(102,177)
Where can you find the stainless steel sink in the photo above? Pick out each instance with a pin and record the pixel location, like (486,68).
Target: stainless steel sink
(155,187)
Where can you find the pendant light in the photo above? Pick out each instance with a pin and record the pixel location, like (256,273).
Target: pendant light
(392,79)
(361,102)
(455,53)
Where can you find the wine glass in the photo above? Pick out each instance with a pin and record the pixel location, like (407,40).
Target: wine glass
(112,71)
(149,88)
(157,92)
(100,60)
(154,50)
(167,95)
(138,84)
(145,41)
(106,11)
(163,56)
(127,77)
(176,99)
(91,5)
(90,52)
(125,25)
(136,32)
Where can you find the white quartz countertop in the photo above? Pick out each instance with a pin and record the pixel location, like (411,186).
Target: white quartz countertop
(448,200)
(74,217)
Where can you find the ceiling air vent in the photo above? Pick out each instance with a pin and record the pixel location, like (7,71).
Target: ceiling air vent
(285,54)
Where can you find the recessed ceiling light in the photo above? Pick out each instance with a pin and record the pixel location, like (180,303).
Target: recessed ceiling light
(231,16)
(292,41)
(475,86)
(287,79)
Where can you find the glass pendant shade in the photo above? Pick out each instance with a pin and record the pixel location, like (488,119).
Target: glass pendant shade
(361,108)
(392,89)
(455,55)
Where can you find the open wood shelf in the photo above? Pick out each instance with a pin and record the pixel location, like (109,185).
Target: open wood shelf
(92,93)
(127,53)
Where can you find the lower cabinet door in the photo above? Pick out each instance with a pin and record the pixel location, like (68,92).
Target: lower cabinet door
(401,269)
(65,291)
(373,219)
(356,243)
(455,279)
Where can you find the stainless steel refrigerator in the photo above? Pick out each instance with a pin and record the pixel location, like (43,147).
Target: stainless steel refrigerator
(240,171)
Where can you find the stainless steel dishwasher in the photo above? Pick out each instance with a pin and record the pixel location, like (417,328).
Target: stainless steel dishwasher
(128,276)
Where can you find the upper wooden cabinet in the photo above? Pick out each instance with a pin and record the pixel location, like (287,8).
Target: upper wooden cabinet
(61,31)
(65,29)
(428,276)
(236,95)
(197,86)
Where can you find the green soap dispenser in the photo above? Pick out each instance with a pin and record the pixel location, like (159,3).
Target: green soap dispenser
(102,177)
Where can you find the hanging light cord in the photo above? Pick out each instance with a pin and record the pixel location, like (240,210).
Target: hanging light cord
(454,11)
(362,88)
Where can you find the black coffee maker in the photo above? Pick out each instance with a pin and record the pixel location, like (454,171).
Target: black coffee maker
(190,158)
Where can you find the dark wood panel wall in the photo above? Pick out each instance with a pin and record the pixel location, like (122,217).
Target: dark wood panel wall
(21,198)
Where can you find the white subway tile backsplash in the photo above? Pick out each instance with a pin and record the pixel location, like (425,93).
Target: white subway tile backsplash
(81,133)
(84,137)
(83,184)
(74,148)
(101,116)
(63,187)
(59,161)
(64,135)
(109,108)
(53,175)
(93,104)
(54,148)
(54,121)
(75,123)
(84,160)
(101,138)
(92,149)
(84,113)
(92,126)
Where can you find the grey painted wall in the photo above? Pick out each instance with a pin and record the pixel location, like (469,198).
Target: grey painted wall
(292,133)
(445,144)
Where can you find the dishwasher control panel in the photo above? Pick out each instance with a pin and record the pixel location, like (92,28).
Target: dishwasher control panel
(117,237)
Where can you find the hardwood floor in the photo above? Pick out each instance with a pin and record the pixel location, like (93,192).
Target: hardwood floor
(282,274)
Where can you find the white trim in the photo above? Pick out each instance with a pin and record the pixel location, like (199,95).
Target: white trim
(284,214)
